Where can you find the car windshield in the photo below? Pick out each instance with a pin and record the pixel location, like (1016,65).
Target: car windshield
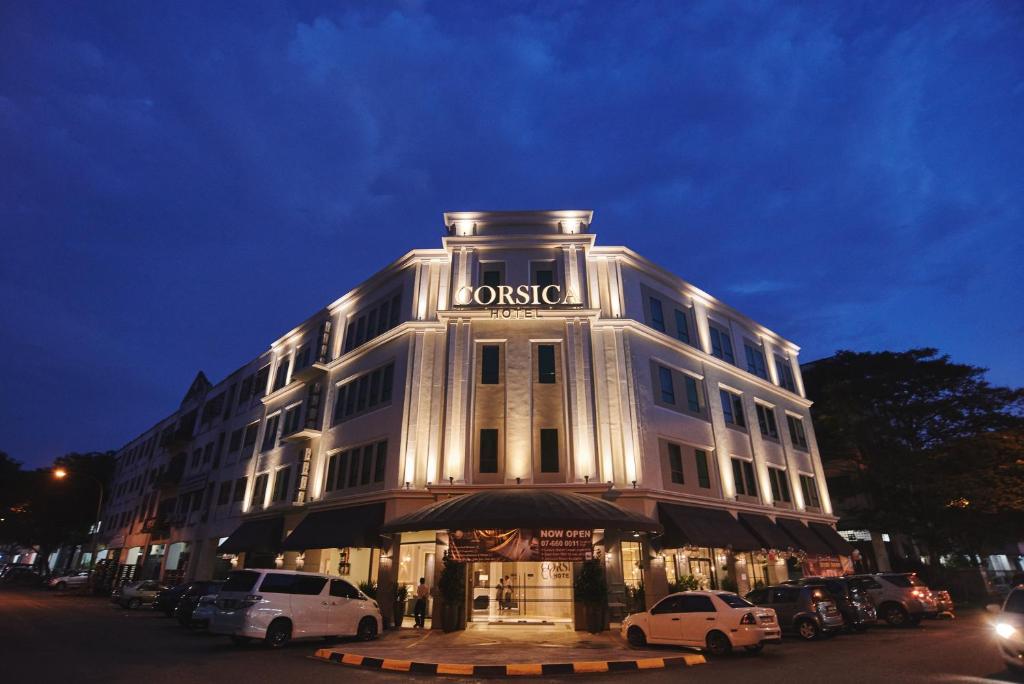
(734,601)
(241,580)
(1015,602)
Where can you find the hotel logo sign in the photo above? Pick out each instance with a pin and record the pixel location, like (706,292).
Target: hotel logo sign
(506,301)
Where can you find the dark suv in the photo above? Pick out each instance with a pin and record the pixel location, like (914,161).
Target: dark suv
(190,599)
(855,605)
(807,610)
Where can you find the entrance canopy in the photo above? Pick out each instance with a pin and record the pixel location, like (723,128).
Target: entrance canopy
(805,538)
(255,536)
(711,527)
(770,534)
(522,508)
(838,545)
(338,528)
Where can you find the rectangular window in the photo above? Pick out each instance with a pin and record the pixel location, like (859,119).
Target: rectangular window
(381,462)
(360,330)
(249,443)
(489,363)
(343,466)
(548,450)
(755,360)
(657,314)
(245,393)
(224,493)
(692,394)
(350,399)
(796,432)
(259,491)
(332,472)
(362,388)
(721,344)
(282,373)
(235,443)
(387,379)
(682,326)
(374,398)
(668,393)
(291,420)
(810,490)
(546,364)
(353,468)
(259,383)
(785,373)
(703,474)
(367,470)
(675,464)
(281,482)
(732,407)
(766,421)
(339,402)
(743,476)
(385,317)
(270,434)
(780,485)
(492,275)
(543,273)
(488,450)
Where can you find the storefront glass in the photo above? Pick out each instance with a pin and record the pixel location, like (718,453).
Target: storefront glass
(415,560)
(504,591)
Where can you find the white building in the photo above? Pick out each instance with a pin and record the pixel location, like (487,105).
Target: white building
(519,356)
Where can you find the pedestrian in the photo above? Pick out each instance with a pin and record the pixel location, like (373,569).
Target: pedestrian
(499,597)
(508,593)
(420,610)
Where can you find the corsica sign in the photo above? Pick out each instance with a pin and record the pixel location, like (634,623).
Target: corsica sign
(506,301)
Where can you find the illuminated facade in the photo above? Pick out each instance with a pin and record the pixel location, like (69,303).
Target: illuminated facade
(520,354)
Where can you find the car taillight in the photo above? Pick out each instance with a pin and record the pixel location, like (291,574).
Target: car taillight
(748,619)
(920,593)
(251,600)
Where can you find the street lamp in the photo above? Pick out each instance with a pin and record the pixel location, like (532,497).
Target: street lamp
(61,473)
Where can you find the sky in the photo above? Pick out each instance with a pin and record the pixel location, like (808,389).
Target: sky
(181,183)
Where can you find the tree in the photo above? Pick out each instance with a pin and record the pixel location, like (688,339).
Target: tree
(921,445)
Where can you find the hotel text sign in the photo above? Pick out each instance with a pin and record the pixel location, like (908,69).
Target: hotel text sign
(550,544)
(506,301)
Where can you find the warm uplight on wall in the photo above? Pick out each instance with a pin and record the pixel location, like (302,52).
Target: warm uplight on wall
(464,227)
(571,226)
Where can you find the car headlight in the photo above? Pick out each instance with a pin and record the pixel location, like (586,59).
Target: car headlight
(1005,630)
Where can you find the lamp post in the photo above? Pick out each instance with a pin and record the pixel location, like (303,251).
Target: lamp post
(61,473)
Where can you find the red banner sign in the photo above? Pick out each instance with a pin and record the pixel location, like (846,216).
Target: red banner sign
(551,544)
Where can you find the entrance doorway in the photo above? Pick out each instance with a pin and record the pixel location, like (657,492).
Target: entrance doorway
(521,592)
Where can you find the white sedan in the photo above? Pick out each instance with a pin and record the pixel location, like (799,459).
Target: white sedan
(716,621)
(69,581)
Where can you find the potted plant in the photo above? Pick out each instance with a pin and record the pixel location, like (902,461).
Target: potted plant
(591,590)
(368,588)
(401,595)
(452,588)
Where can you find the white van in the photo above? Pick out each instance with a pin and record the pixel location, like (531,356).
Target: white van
(280,605)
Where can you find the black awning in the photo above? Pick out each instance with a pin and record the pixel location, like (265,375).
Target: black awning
(767,532)
(255,536)
(521,508)
(804,538)
(838,545)
(337,528)
(695,526)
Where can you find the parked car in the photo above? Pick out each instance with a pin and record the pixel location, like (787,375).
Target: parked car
(900,598)
(191,598)
(21,573)
(70,580)
(204,611)
(807,610)
(943,603)
(280,605)
(716,621)
(854,604)
(136,594)
(1009,627)
(167,599)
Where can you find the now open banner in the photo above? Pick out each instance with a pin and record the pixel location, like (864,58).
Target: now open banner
(547,544)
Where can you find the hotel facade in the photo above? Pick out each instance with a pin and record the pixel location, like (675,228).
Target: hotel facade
(517,385)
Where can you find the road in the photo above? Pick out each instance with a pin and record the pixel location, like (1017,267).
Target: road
(51,637)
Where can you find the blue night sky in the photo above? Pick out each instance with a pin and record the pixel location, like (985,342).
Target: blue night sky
(180,184)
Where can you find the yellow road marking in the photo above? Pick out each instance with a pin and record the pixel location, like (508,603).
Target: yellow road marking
(650,663)
(527,669)
(351,659)
(590,666)
(454,669)
(399,665)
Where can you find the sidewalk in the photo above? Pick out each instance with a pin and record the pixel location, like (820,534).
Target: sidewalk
(519,649)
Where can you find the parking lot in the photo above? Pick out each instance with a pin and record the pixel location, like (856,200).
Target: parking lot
(59,637)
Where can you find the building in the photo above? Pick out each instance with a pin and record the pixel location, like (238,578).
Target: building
(579,401)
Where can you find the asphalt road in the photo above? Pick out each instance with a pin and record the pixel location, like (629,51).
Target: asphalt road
(48,637)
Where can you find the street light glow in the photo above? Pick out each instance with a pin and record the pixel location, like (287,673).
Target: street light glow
(60,473)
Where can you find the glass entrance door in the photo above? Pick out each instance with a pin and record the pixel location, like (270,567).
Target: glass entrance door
(522,592)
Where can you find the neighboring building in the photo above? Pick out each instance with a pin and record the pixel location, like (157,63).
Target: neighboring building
(518,360)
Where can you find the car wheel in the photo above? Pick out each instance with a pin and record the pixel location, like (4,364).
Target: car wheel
(718,644)
(240,640)
(61,586)
(133,604)
(807,630)
(636,637)
(895,615)
(757,648)
(278,634)
(367,630)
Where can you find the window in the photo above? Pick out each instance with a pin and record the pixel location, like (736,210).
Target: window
(372,321)
(657,314)
(246,392)
(332,472)
(668,394)
(224,493)
(671,604)
(548,450)
(343,459)
(703,474)
(732,407)
(270,433)
(543,273)
(208,452)
(692,394)
(249,443)
(682,326)
(259,383)
(780,485)
(766,421)
(353,468)
(697,603)
(387,378)
(301,359)
(743,476)
(721,344)
(785,373)
(374,396)
(489,364)
(492,274)
(281,482)
(259,490)
(488,450)
(546,364)
(796,432)
(196,455)
(810,490)
(342,589)
(291,419)
(675,464)
(367,464)
(308,585)
(276,583)
(364,394)
(357,466)
(362,387)
(235,443)
(755,360)
(241,580)
(380,464)
(239,492)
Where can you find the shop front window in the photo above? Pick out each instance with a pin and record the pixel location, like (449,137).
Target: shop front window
(415,560)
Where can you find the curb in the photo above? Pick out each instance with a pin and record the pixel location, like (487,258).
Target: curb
(507,670)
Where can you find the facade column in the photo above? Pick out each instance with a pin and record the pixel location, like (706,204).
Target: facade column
(655,579)
(387,579)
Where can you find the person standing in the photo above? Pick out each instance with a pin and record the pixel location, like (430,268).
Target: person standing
(420,609)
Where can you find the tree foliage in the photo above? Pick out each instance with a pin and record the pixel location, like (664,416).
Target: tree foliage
(921,445)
